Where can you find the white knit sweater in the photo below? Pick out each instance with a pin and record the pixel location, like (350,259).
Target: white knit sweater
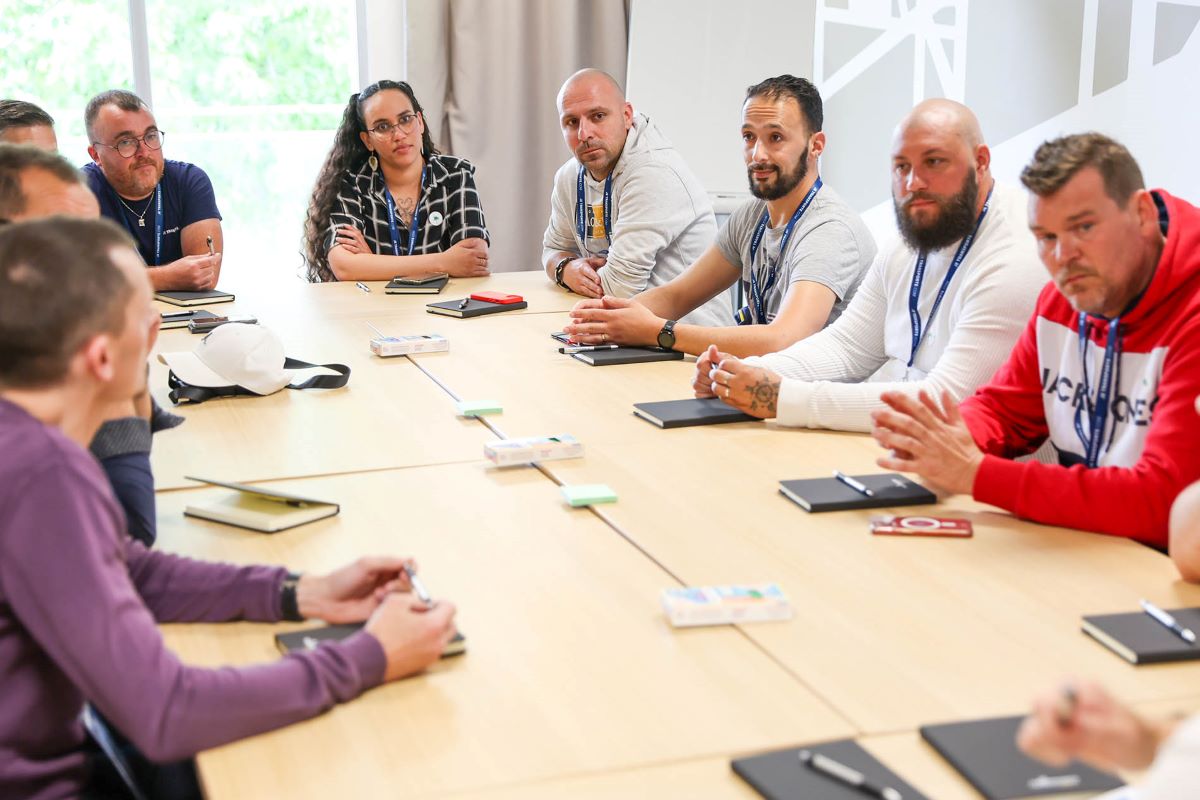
(833,378)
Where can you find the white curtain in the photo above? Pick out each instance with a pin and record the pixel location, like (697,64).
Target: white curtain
(487,73)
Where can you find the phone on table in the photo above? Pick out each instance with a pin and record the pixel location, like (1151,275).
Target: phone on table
(418,280)
(497,297)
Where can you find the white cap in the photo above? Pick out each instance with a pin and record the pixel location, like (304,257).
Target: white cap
(235,354)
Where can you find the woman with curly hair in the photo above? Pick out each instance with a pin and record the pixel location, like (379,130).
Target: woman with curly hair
(386,203)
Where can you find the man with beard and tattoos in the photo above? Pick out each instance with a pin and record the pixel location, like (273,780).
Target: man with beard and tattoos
(798,248)
(939,311)
(168,207)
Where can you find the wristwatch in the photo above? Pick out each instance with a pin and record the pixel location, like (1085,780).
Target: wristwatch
(288,604)
(558,271)
(666,337)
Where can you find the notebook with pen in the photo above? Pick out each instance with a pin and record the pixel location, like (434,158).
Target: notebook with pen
(782,775)
(831,494)
(180,319)
(310,639)
(259,508)
(469,307)
(985,752)
(1139,639)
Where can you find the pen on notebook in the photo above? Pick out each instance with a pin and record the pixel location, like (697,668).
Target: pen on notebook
(1169,622)
(211,252)
(363,286)
(464,302)
(850,777)
(583,348)
(418,587)
(853,484)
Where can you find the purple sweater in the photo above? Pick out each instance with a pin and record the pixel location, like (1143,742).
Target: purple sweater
(78,606)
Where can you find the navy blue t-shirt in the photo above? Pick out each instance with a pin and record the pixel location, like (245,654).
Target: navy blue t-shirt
(187,197)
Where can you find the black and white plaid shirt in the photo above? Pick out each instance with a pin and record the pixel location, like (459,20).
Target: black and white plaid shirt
(450,209)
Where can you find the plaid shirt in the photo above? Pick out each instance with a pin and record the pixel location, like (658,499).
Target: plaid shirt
(449,192)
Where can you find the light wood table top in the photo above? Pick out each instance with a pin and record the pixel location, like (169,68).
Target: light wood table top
(895,632)
(572,667)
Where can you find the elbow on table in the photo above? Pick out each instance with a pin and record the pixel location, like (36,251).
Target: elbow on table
(1184,533)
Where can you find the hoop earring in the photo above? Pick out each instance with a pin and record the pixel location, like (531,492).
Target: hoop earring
(373,161)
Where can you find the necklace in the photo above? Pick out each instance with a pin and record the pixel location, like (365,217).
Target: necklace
(141,218)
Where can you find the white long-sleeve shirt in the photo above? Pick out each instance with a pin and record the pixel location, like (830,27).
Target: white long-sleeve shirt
(833,379)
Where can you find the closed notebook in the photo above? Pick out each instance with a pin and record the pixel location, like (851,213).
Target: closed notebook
(194,298)
(182,321)
(782,776)
(830,494)
(1139,639)
(311,639)
(259,508)
(694,411)
(985,752)
(626,355)
(474,308)
(431,285)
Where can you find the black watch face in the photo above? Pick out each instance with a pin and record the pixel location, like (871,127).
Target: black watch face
(666,339)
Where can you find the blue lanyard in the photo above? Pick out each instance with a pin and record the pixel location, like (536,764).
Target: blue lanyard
(158,225)
(914,292)
(581,212)
(412,225)
(1098,413)
(757,294)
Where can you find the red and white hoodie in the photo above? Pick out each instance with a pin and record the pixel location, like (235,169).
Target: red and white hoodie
(1152,430)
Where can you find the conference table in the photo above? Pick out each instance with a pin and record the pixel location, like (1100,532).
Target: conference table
(574,683)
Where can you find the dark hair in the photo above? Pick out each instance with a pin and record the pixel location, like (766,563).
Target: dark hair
(14,160)
(800,90)
(126,101)
(20,114)
(347,156)
(1058,160)
(59,287)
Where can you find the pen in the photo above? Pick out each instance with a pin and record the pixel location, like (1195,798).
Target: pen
(464,302)
(583,348)
(211,252)
(1167,621)
(853,484)
(177,314)
(1065,708)
(840,772)
(418,587)
(363,286)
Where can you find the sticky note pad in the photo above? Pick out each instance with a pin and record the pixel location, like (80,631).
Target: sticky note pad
(477,408)
(589,494)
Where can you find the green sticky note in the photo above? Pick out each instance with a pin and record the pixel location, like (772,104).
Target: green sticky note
(477,408)
(589,494)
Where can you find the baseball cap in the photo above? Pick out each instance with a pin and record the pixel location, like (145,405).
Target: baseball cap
(235,354)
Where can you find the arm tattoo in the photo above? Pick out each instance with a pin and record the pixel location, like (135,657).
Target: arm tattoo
(764,395)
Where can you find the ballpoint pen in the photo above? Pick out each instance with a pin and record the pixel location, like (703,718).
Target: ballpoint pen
(363,286)
(1168,621)
(418,587)
(464,302)
(853,484)
(843,774)
(211,252)
(583,348)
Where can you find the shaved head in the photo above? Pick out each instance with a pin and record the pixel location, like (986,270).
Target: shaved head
(592,80)
(945,118)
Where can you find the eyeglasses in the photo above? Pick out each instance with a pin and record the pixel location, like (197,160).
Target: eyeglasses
(129,145)
(404,123)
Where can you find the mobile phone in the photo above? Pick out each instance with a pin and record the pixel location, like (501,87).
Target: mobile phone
(497,297)
(207,324)
(417,280)
(561,338)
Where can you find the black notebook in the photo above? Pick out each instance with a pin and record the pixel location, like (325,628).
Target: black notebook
(432,284)
(626,355)
(194,298)
(985,752)
(830,494)
(1140,639)
(474,308)
(683,413)
(310,639)
(782,776)
(180,319)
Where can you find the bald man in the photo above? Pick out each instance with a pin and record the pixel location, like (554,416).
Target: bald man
(964,254)
(626,213)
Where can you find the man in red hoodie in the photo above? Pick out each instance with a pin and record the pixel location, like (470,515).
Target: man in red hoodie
(1106,369)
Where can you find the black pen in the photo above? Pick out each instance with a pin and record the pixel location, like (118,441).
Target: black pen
(853,484)
(211,252)
(850,777)
(464,302)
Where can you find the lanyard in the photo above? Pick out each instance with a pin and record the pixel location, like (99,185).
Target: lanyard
(757,294)
(914,293)
(581,212)
(158,224)
(412,225)
(1098,413)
